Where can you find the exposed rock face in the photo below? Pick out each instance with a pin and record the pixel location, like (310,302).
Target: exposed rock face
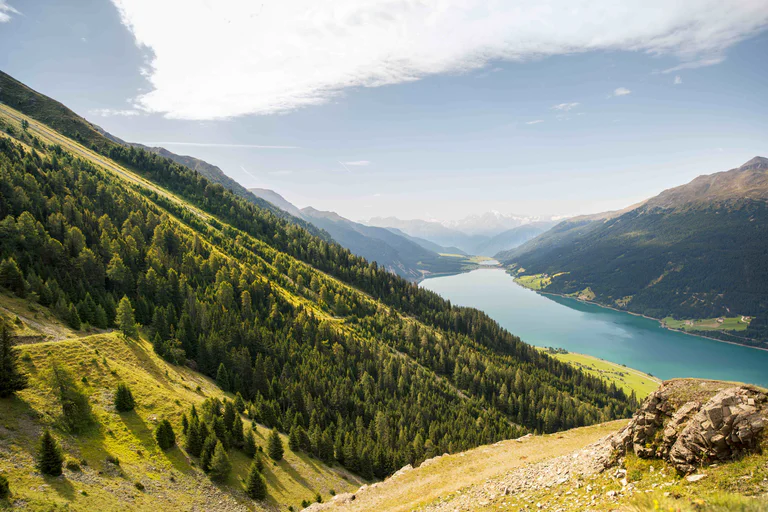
(690,423)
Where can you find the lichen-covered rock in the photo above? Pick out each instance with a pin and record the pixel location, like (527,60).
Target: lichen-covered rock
(690,423)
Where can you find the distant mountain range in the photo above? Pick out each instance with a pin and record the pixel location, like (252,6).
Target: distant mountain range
(698,251)
(406,256)
(483,235)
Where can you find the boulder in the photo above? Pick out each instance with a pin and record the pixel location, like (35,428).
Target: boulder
(720,424)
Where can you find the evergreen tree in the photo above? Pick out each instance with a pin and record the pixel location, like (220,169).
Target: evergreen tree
(49,456)
(5,489)
(194,443)
(164,435)
(124,398)
(249,444)
(275,445)
(220,464)
(255,486)
(125,317)
(222,379)
(11,378)
(229,415)
(293,439)
(239,403)
(237,432)
(184,424)
(207,452)
(11,276)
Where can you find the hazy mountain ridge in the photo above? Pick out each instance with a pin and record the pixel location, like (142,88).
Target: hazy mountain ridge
(395,252)
(694,251)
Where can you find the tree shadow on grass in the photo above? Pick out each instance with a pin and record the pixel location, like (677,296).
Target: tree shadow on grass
(291,471)
(139,429)
(271,477)
(178,460)
(147,362)
(62,486)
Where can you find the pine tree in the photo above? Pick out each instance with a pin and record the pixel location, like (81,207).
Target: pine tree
(164,435)
(237,432)
(249,444)
(125,318)
(184,424)
(124,398)
(239,403)
(255,486)
(275,445)
(207,452)
(5,489)
(11,379)
(11,276)
(194,443)
(293,439)
(222,379)
(49,456)
(220,464)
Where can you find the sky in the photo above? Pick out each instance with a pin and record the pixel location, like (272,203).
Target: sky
(432,109)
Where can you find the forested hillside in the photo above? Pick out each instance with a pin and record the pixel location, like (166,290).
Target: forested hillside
(694,252)
(366,368)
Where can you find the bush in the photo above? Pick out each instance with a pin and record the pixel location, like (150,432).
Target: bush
(73,465)
(112,459)
(139,486)
(49,456)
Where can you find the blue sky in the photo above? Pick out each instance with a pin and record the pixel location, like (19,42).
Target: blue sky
(377,112)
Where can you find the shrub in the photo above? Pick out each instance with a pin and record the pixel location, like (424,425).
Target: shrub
(112,459)
(139,486)
(72,465)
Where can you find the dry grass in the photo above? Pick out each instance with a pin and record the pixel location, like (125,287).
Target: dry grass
(450,473)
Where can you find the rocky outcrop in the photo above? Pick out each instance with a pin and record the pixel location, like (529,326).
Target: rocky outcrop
(689,423)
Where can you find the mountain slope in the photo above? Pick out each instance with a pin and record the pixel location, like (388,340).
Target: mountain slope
(391,251)
(512,238)
(595,468)
(375,371)
(694,252)
(432,231)
(169,480)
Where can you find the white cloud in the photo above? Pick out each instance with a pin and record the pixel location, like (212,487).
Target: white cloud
(537,121)
(702,63)
(359,163)
(678,80)
(234,57)
(6,11)
(217,145)
(621,91)
(110,112)
(565,107)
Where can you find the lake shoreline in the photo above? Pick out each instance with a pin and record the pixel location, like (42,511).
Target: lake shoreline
(660,322)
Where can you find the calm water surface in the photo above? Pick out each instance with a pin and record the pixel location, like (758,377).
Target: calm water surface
(546,320)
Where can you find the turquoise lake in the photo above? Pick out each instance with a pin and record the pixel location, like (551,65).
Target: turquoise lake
(547,320)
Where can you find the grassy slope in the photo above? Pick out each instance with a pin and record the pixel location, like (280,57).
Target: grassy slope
(450,473)
(707,324)
(653,484)
(626,378)
(162,391)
